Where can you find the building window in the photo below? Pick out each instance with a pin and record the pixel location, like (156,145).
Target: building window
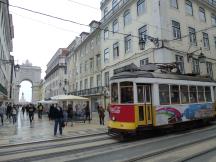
(86,66)
(176,30)
(144,62)
(80,68)
(195,69)
(116,50)
(174,3)
(215,41)
(206,40)
(106,55)
(106,79)
(98,60)
(105,11)
(76,86)
(91,82)
(189,7)
(81,86)
(140,7)
(115,26)
(192,35)
(114,4)
(202,14)
(180,63)
(209,69)
(91,64)
(213,18)
(127,41)
(86,84)
(142,32)
(106,33)
(98,80)
(127,17)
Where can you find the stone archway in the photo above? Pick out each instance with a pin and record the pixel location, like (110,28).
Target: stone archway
(32,74)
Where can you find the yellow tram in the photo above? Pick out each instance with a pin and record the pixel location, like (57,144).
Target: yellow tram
(143,100)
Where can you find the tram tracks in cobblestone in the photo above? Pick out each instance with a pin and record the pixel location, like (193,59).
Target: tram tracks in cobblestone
(174,151)
(82,150)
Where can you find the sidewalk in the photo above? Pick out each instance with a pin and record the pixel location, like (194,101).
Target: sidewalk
(42,129)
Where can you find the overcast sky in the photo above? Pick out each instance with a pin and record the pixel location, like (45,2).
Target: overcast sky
(38,37)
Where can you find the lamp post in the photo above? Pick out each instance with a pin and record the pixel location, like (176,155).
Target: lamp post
(142,41)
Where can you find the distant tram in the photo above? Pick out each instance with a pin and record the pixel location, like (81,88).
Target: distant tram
(143,100)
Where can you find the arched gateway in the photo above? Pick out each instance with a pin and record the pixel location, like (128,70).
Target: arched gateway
(29,73)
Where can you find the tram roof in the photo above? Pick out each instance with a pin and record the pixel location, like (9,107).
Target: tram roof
(149,71)
(147,74)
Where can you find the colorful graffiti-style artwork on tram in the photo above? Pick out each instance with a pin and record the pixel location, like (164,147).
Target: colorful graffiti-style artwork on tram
(178,113)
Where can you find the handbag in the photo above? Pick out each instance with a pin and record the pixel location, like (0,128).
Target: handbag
(62,124)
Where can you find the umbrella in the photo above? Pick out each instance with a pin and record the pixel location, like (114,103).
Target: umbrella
(68,97)
(47,102)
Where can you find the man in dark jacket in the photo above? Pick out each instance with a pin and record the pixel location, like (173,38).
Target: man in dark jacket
(58,117)
(31,111)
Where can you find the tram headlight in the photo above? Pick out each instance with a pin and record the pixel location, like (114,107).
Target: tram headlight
(113,118)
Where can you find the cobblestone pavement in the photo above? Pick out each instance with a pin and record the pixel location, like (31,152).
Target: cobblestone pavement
(42,129)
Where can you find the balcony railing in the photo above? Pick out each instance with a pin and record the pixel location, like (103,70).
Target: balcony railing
(89,92)
(114,10)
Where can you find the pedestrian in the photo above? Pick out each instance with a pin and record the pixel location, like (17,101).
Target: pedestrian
(70,114)
(87,112)
(2,112)
(65,116)
(101,113)
(8,111)
(23,109)
(31,110)
(14,114)
(40,110)
(58,117)
(51,111)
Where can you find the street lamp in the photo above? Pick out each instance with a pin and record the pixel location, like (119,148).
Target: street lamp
(142,41)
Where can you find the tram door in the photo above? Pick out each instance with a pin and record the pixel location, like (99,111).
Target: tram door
(145,104)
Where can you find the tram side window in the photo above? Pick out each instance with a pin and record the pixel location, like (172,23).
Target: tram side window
(184,94)
(175,94)
(193,94)
(201,97)
(126,92)
(208,94)
(114,92)
(164,94)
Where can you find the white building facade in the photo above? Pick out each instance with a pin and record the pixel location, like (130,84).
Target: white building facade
(173,31)
(56,78)
(6,60)
(84,66)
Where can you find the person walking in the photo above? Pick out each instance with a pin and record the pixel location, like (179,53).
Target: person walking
(14,114)
(58,117)
(70,114)
(23,109)
(40,110)
(31,111)
(87,112)
(8,111)
(2,112)
(101,113)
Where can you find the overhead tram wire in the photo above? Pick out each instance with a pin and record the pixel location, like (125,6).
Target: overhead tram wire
(66,20)
(82,4)
(38,21)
